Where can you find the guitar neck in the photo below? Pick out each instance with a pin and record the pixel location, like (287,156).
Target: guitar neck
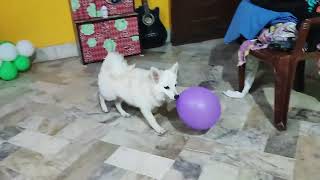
(146,6)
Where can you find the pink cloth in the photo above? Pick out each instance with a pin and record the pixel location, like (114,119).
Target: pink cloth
(277,32)
(245,48)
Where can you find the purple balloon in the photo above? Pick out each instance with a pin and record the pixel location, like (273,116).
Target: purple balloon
(198,108)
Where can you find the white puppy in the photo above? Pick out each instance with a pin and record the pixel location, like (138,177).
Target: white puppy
(145,89)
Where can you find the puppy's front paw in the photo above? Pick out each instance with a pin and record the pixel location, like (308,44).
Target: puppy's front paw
(125,114)
(161,131)
(105,110)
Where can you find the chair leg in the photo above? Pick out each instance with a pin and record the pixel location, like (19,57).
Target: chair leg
(299,77)
(284,71)
(241,75)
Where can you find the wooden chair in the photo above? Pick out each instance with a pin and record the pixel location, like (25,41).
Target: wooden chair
(285,65)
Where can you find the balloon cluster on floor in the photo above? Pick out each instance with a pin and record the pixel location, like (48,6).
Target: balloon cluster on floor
(14,58)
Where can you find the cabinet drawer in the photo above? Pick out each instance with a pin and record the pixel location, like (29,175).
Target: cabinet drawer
(95,48)
(88,9)
(120,28)
(115,29)
(121,7)
(128,46)
(83,9)
(97,38)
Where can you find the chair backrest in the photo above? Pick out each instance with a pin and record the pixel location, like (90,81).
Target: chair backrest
(303,35)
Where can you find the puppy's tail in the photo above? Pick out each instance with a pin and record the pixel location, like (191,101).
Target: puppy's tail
(115,64)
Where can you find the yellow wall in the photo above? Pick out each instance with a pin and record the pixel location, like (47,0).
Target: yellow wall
(48,22)
(44,22)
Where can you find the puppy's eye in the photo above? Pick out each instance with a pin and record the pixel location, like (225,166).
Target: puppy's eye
(175,85)
(167,87)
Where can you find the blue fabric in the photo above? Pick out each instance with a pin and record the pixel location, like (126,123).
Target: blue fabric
(284,19)
(250,19)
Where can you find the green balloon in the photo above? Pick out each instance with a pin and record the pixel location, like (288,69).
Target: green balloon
(2,42)
(22,63)
(8,71)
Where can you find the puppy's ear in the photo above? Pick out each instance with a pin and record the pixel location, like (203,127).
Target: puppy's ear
(155,74)
(174,68)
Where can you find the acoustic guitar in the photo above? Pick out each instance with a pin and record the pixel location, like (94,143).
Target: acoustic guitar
(152,31)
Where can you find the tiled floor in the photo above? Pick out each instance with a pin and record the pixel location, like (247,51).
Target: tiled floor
(52,127)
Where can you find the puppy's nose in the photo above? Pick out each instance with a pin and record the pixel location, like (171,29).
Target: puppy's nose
(176,97)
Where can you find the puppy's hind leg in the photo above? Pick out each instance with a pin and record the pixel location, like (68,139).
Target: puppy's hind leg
(119,108)
(103,104)
(152,121)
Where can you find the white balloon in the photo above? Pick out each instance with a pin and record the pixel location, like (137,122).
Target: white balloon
(25,48)
(8,52)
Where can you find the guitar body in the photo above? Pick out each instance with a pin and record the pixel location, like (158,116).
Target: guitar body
(152,31)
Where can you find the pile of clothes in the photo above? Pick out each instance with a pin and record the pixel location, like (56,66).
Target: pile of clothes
(280,36)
